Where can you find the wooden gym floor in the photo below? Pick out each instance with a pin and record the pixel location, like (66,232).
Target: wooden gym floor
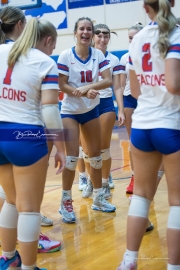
(97,240)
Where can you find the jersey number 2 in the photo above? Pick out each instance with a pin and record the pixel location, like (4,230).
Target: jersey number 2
(146,64)
(88,77)
(7,79)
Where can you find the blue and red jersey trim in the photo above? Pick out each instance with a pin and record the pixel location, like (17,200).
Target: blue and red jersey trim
(50,79)
(122,67)
(63,67)
(174,48)
(117,68)
(130,60)
(103,64)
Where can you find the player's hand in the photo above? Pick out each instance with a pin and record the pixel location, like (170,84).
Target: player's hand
(77,93)
(83,89)
(60,161)
(121,119)
(92,94)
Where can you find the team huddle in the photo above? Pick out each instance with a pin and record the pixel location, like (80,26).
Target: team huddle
(146,85)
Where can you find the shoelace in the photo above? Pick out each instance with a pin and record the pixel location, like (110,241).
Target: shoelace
(43,237)
(68,205)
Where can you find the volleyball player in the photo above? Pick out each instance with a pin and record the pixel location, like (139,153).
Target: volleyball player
(29,97)
(106,108)
(78,74)
(155,135)
(130,103)
(12,22)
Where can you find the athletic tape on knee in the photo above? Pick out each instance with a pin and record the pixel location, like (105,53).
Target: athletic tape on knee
(139,207)
(29,226)
(86,157)
(71,163)
(96,162)
(174,218)
(2,193)
(105,154)
(9,216)
(80,152)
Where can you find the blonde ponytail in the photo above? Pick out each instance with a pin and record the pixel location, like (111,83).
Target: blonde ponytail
(166,23)
(2,35)
(35,30)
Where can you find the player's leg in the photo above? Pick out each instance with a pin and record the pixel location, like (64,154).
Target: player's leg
(146,166)
(82,169)
(71,127)
(128,116)
(93,143)
(107,121)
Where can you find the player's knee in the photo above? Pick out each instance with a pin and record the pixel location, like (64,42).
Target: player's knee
(139,207)
(29,222)
(9,216)
(173,218)
(96,162)
(105,153)
(71,163)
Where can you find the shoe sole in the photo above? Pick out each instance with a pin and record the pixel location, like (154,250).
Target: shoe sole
(49,250)
(46,225)
(129,192)
(87,196)
(67,221)
(102,209)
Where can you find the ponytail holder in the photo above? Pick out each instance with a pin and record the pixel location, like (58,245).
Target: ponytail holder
(0,21)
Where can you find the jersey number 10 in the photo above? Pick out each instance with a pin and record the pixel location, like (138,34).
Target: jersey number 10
(146,64)
(86,76)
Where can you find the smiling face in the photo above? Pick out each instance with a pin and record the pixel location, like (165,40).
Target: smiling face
(101,39)
(84,32)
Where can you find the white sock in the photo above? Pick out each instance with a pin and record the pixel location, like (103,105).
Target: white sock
(104,180)
(132,172)
(173,267)
(130,256)
(83,174)
(97,191)
(9,254)
(24,267)
(66,194)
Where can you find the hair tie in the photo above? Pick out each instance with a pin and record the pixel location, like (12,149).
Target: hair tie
(0,21)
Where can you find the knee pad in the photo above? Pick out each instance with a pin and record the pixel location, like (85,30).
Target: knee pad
(71,163)
(29,226)
(80,152)
(2,193)
(86,157)
(105,154)
(174,218)
(96,162)
(139,207)
(9,216)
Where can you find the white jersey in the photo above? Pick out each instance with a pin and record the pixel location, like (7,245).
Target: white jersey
(115,70)
(20,88)
(157,108)
(124,69)
(81,73)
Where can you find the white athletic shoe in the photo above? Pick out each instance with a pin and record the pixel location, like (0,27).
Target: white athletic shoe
(88,190)
(100,204)
(66,210)
(106,191)
(46,221)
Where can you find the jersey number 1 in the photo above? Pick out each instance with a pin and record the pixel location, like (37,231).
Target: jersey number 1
(146,65)
(87,78)
(7,79)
